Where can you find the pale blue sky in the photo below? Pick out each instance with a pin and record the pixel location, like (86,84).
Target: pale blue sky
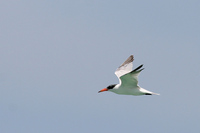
(56,55)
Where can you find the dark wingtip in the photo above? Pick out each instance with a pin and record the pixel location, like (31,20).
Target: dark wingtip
(138,68)
(128,60)
(131,56)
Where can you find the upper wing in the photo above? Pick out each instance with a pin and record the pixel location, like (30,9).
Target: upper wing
(125,68)
(131,79)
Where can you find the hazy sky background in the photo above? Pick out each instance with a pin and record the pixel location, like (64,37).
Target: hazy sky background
(56,55)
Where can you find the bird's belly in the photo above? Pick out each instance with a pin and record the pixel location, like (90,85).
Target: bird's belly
(128,91)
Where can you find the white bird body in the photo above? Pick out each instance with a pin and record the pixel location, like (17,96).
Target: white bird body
(129,90)
(128,80)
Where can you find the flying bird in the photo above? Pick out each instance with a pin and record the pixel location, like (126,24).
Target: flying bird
(128,80)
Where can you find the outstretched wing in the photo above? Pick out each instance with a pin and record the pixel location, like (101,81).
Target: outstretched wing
(131,79)
(125,68)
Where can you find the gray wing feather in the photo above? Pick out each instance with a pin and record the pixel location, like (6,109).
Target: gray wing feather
(131,79)
(125,68)
(129,60)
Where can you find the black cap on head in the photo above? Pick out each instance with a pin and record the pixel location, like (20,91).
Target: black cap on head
(111,86)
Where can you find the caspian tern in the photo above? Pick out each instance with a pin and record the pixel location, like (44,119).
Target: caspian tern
(128,80)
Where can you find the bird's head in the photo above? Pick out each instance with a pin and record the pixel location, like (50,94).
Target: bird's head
(108,88)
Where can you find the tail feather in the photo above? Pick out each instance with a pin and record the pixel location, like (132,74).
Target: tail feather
(155,94)
(146,92)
